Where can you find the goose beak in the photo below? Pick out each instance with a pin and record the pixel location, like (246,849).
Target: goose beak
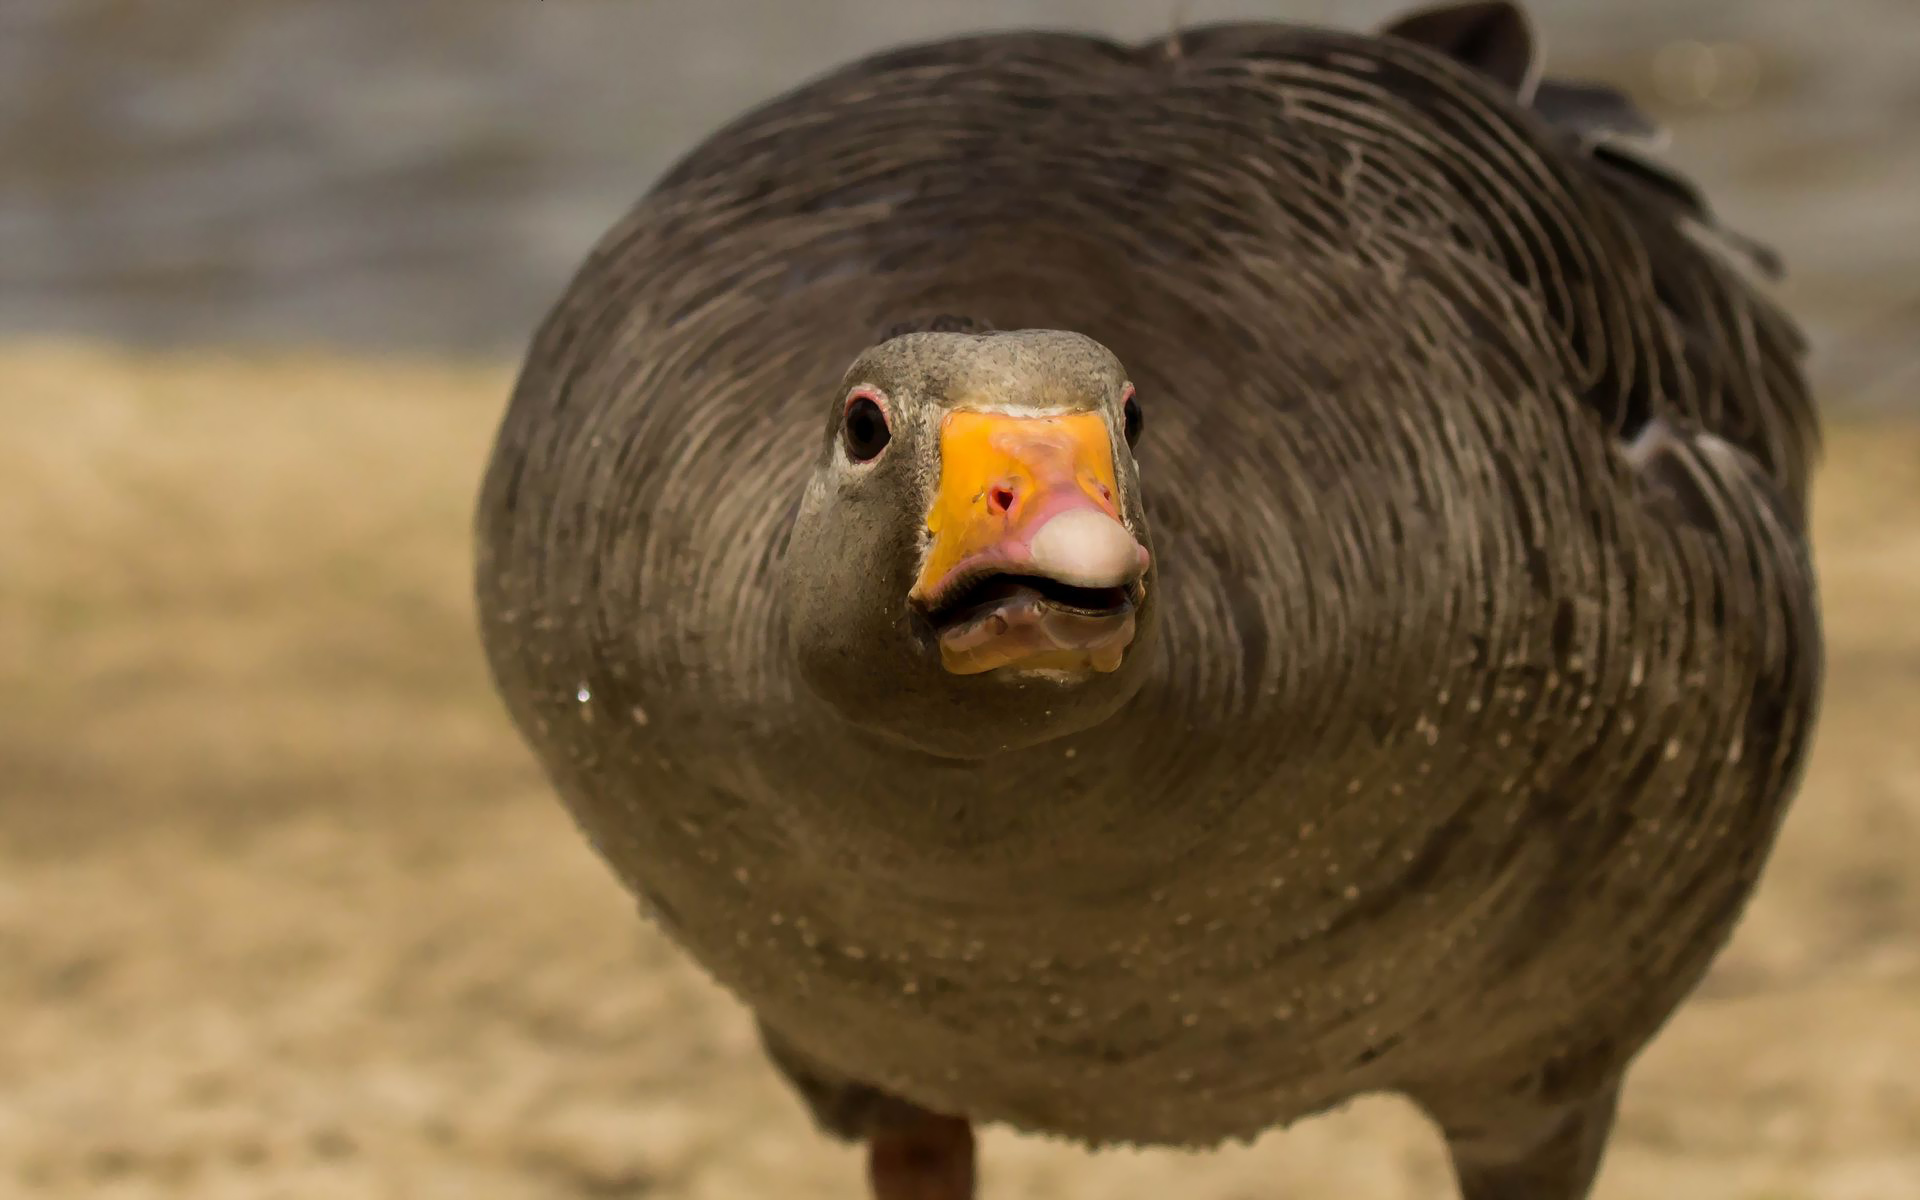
(1029,563)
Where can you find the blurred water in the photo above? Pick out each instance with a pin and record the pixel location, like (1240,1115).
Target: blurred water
(426,174)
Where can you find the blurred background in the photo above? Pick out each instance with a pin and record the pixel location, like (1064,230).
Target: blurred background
(285,910)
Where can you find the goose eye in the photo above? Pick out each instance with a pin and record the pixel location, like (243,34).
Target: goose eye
(1131,418)
(865,429)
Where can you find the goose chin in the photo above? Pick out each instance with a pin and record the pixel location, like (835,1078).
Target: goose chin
(1026,633)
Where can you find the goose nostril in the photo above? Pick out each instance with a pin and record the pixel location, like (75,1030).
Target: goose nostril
(1000,499)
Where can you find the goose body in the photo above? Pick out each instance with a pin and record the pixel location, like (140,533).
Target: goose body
(1472,645)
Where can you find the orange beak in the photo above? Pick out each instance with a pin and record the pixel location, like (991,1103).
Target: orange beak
(1031,498)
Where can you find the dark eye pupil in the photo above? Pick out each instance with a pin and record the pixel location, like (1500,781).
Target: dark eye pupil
(1133,421)
(866,429)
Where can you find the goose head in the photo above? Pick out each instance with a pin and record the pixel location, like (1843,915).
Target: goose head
(969,570)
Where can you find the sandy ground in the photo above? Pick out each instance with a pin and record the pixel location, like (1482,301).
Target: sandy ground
(285,910)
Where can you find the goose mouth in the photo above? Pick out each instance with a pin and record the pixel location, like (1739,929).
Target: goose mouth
(1032,623)
(973,598)
(1028,564)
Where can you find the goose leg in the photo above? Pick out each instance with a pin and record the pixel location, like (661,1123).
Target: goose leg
(912,1154)
(926,1157)
(1552,1155)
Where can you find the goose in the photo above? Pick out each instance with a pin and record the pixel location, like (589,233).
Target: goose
(1137,592)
